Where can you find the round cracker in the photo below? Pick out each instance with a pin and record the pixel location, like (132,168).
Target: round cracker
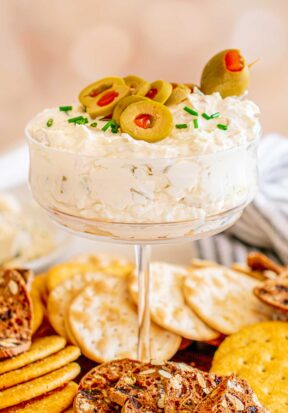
(61,296)
(34,388)
(87,263)
(167,304)
(61,272)
(224,299)
(104,321)
(37,309)
(258,353)
(40,284)
(55,401)
(109,264)
(40,348)
(39,368)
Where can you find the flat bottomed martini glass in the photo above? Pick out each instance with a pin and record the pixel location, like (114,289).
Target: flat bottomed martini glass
(69,185)
(169,164)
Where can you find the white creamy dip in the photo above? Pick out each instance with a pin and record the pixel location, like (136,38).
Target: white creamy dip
(191,175)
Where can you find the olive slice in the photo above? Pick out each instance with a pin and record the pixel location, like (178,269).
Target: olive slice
(226,73)
(159,91)
(192,86)
(138,86)
(179,93)
(90,92)
(122,105)
(104,103)
(147,120)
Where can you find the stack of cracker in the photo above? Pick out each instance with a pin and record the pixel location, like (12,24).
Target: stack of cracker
(40,380)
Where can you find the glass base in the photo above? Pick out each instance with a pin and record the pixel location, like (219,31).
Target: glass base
(148,233)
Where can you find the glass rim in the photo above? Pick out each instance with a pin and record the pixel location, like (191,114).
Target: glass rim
(246,145)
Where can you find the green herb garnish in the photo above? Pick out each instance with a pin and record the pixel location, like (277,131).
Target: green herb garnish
(79,120)
(107,125)
(215,115)
(191,111)
(93,125)
(181,126)
(222,127)
(65,108)
(49,122)
(195,123)
(205,116)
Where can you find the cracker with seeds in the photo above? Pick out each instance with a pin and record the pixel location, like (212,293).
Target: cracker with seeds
(15,314)
(167,304)
(224,298)
(187,387)
(274,293)
(231,396)
(94,389)
(104,321)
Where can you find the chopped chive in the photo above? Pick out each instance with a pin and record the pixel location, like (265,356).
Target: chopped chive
(108,125)
(114,129)
(49,122)
(222,127)
(195,123)
(205,116)
(65,108)
(215,115)
(93,125)
(79,120)
(181,126)
(191,111)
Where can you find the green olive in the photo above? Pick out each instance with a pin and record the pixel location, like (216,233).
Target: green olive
(179,93)
(226,73)
(123,103)
(103,104)
(88,95)
(159,91)
(138,86)
(147,120)
(192,86)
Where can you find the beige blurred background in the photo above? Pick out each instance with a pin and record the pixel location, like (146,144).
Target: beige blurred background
(50,49)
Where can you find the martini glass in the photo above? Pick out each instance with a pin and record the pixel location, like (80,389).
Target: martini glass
(143,201)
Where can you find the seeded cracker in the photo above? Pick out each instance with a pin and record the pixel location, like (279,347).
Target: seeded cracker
(15,314)
(93,394)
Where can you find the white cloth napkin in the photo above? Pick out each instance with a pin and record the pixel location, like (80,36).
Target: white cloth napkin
(264,223)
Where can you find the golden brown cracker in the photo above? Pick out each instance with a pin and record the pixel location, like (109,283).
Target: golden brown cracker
(55,401)
(37,387)
(40,284)
(40,348)
(61,272)
(37,309)
(258,353)
(39,368)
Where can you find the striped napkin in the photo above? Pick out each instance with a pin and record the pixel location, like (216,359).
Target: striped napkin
(264,223)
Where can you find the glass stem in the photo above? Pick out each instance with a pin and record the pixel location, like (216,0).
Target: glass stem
(143,254)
